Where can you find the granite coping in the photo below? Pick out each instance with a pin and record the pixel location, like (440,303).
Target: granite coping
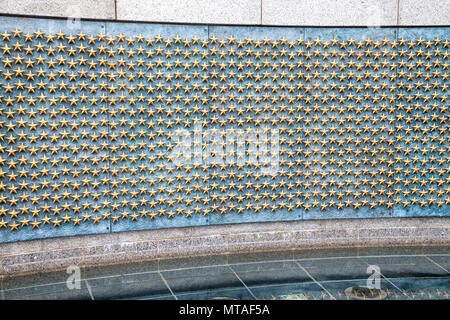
(58,253)
(245,12)
(330,12)
(94,9)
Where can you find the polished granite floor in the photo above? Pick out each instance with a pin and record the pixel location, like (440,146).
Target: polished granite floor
(405,273)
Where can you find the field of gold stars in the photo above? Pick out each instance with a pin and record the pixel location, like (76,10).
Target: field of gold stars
(89,122)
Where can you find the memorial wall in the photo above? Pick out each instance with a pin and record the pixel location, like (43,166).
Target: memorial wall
(108,126)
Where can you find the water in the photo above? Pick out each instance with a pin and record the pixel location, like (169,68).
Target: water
(315,274)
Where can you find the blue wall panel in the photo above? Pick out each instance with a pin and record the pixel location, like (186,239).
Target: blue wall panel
(301,123)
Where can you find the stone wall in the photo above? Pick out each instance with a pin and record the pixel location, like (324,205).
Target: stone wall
(126,242)
(253,12)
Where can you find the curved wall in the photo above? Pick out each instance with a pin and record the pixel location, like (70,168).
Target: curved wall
(111,127)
